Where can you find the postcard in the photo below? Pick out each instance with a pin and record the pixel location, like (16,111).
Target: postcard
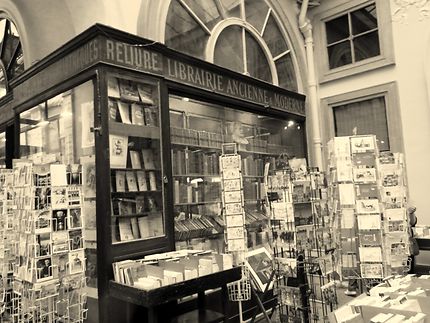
(370,254)
(346,194)
(364,175)
(235,233)
(234,220)
(286,266)
(370,238)
(347,218)
(367,206)
(231,197)
(230,162)
(233,208)
(259,263)
(395,214)
(76,261)
(230,173)
(232,185)
(366,191)
(118,151)
(372,270)
(369,221)
(361,144)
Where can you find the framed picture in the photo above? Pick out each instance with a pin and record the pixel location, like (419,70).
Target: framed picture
(259,263)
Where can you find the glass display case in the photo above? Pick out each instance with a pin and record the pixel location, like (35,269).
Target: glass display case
(198,131)
(135,160)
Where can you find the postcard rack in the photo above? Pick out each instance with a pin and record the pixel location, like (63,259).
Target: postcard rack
(46,279)
(368,197)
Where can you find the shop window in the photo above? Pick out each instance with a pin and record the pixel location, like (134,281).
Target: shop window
(198,132)
(3,149)
(363,118)
(353,37)
(242,35)
(59,131)
(11,55)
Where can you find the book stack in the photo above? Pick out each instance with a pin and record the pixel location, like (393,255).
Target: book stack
(169,268)
(197,227)
(49,269)
(373,226)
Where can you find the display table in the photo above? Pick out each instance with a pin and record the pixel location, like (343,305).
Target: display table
(150,299)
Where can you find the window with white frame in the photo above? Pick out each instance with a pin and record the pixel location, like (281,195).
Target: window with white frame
(352,37)
(242,35)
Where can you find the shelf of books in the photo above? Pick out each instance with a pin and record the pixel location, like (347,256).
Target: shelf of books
(369,199)
(135,146)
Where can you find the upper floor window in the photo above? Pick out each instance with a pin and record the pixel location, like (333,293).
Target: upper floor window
(352,37)
(241,35)
(11,55)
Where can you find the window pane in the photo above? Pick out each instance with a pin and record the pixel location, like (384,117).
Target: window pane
(229,50)
(364,19)
(183,33)
(286,73)
(257,63)
(231,7)
(340,54)
(337,29)
(369,117)
(273,37)
(366,46)
(255,11)
(206,10)
(2,149)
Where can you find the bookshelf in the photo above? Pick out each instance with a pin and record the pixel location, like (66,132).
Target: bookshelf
(135,160)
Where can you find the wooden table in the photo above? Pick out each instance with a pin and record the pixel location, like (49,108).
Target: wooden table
(150,299)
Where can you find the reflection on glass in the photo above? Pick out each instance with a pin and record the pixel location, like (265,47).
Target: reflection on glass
(135,160)
(205,10)
(231,7)
(58,131)
(340,54)
(229,50)
(2,149)
(273,37)
(364,19)
(183,33)
(255,12)
(3,84)
(196,148)
(337,29)
(286,74)
(257,63)
(366,46)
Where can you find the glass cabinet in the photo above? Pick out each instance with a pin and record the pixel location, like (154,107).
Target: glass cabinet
(135,160)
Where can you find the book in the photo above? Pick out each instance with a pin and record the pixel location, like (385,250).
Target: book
(120,180)
(151,116)
(148,159)
(140,204)
(124,112)
(145,93)
(134,228)
(131,181)
(113,111)
(128,90)
(141,181)
(125,232)
(137,114)
(143,227)
(118,151)
(370,254)
(152,181)
(113,88)
(135,159)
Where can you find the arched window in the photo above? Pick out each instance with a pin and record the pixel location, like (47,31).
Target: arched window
(11,55)
(242,35)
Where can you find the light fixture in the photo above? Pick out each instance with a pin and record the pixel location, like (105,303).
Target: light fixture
(298,127)
(290,123)
(185,99)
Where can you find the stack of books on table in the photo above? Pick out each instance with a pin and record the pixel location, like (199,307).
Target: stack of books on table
(169,268)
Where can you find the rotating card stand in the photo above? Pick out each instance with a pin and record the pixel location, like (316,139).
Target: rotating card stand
(234,218)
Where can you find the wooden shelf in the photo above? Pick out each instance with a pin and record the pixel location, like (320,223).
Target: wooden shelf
(197,175)
(131,194)
(165,294)
(136,215)
(124,129)
(196,203)
(195,146)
